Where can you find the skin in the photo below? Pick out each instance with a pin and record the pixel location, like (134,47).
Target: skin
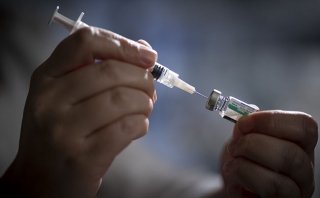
(93,96)
(271,154)
(86,103)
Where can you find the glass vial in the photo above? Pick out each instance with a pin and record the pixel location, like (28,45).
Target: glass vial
(229,107)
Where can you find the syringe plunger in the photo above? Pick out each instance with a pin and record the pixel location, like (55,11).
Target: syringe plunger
(161,73)
(68,23)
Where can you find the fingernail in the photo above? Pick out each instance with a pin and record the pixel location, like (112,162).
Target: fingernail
(143,42)
(246,124)
(147,55)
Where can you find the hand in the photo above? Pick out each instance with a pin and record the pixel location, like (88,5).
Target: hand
(86,103)
(271,154)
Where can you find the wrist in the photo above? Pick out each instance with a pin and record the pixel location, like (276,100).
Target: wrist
(22,180)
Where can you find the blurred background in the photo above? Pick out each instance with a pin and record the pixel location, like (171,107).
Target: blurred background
(263,52)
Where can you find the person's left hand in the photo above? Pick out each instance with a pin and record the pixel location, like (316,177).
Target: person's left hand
(271,154)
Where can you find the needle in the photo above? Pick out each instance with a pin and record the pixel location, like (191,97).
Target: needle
(200,94)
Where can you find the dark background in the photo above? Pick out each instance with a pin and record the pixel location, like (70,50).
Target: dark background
(263,52)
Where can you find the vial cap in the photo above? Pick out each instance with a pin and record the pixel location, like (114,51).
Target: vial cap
(212,99)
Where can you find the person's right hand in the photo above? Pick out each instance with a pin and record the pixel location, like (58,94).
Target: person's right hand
(86,103)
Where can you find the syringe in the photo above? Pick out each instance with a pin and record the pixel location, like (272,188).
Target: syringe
(161,73)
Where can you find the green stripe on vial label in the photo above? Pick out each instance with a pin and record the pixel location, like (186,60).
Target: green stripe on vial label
(235,108)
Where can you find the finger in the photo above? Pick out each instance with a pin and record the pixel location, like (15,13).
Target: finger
(237,191)
(107,107)
(143,42)
(107,142)
(259,180)
(87,45)
(87,81)
(285,157)
(293,126)
(233,190)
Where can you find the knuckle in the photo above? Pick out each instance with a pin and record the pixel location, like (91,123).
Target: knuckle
(135,125)
(294,158)
(150,79)
(141,126)
(46,113)
(110,37)
(38,107)
(232,167)
(146,104)
(84,36)
(117,41)
(39,79)
(43,104)
(133,100)
(149,107)
(119,98)
(282,187)
(128,47)
(150,83)
(245,144)
(35,76)
(310,127)
(272,190)
(274,119)
(109,69)
(38,110)
(127,125)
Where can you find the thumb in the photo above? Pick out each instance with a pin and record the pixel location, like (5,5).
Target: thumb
(87,45)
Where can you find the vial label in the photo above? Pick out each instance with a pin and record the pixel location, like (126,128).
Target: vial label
(236,108)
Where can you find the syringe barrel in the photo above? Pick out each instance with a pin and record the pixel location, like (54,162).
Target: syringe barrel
(157,71)
(170,79)
(161,73)
(164,75)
